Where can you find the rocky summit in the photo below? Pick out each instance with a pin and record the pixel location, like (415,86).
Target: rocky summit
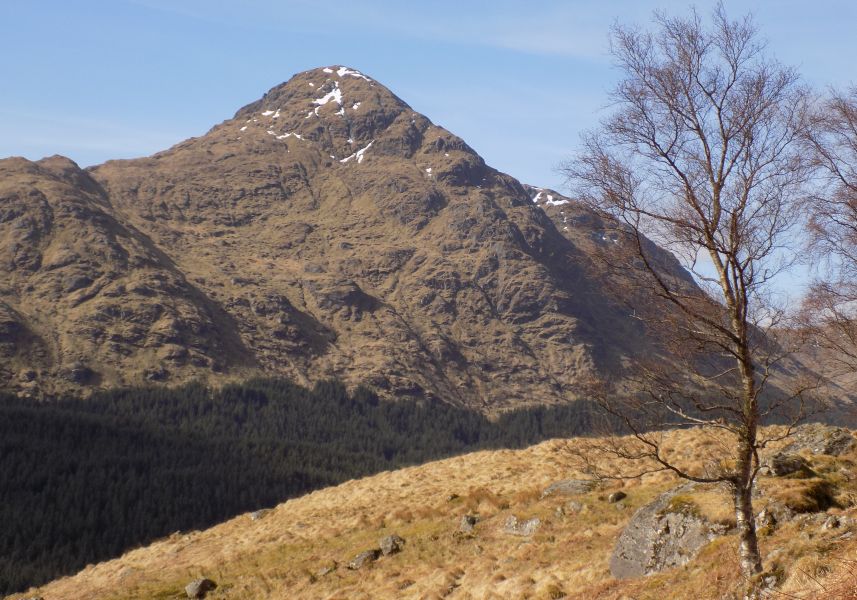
(326,230)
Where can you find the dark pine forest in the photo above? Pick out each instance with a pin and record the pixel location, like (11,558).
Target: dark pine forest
(84,480)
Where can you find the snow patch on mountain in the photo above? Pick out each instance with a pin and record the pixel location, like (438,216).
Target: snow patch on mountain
(335,95)
(359,154)
(343,71)
(549,198)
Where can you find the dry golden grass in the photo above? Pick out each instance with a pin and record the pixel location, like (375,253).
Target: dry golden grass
(281,554)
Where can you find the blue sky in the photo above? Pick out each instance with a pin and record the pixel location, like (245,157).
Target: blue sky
(100,79)
(518,80)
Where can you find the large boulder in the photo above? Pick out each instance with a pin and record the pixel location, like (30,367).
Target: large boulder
(666,533)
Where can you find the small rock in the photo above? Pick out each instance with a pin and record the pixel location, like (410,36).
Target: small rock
(525,528)
(198,588)
(452,497)
(568,487)
(156,374)
(782,464)
(258,514)
(616,497)
(364,558)
(391,544)
(832,522)
(327,570)
(79,373)
(73,284)
(780,512)
(574,507)
(468,522)
(811,520)
(766,520)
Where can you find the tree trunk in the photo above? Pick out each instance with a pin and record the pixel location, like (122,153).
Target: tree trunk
(748,544)
(751,561)
(745,518)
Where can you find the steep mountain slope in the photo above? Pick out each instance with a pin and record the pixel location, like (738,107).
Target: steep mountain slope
(83,295)
(328,229)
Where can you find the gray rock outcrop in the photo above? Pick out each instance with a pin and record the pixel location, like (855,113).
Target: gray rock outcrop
(821,439)
(663,534)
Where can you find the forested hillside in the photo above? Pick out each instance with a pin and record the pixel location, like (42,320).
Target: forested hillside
(82,481)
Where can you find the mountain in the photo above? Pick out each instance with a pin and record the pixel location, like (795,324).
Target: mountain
(325,230)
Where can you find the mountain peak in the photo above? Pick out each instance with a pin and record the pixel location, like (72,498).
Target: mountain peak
(342,71)
(337,110)
(339,87)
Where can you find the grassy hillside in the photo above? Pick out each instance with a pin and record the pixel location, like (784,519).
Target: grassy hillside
(283,554)
(82,481)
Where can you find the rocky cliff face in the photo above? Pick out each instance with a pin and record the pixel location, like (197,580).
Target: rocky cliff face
(86,299)
(325,230)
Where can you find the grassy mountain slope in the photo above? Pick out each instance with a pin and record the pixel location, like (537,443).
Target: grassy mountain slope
(282,553)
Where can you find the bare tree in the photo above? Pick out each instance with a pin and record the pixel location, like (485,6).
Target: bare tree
(829,308)
(701,152)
